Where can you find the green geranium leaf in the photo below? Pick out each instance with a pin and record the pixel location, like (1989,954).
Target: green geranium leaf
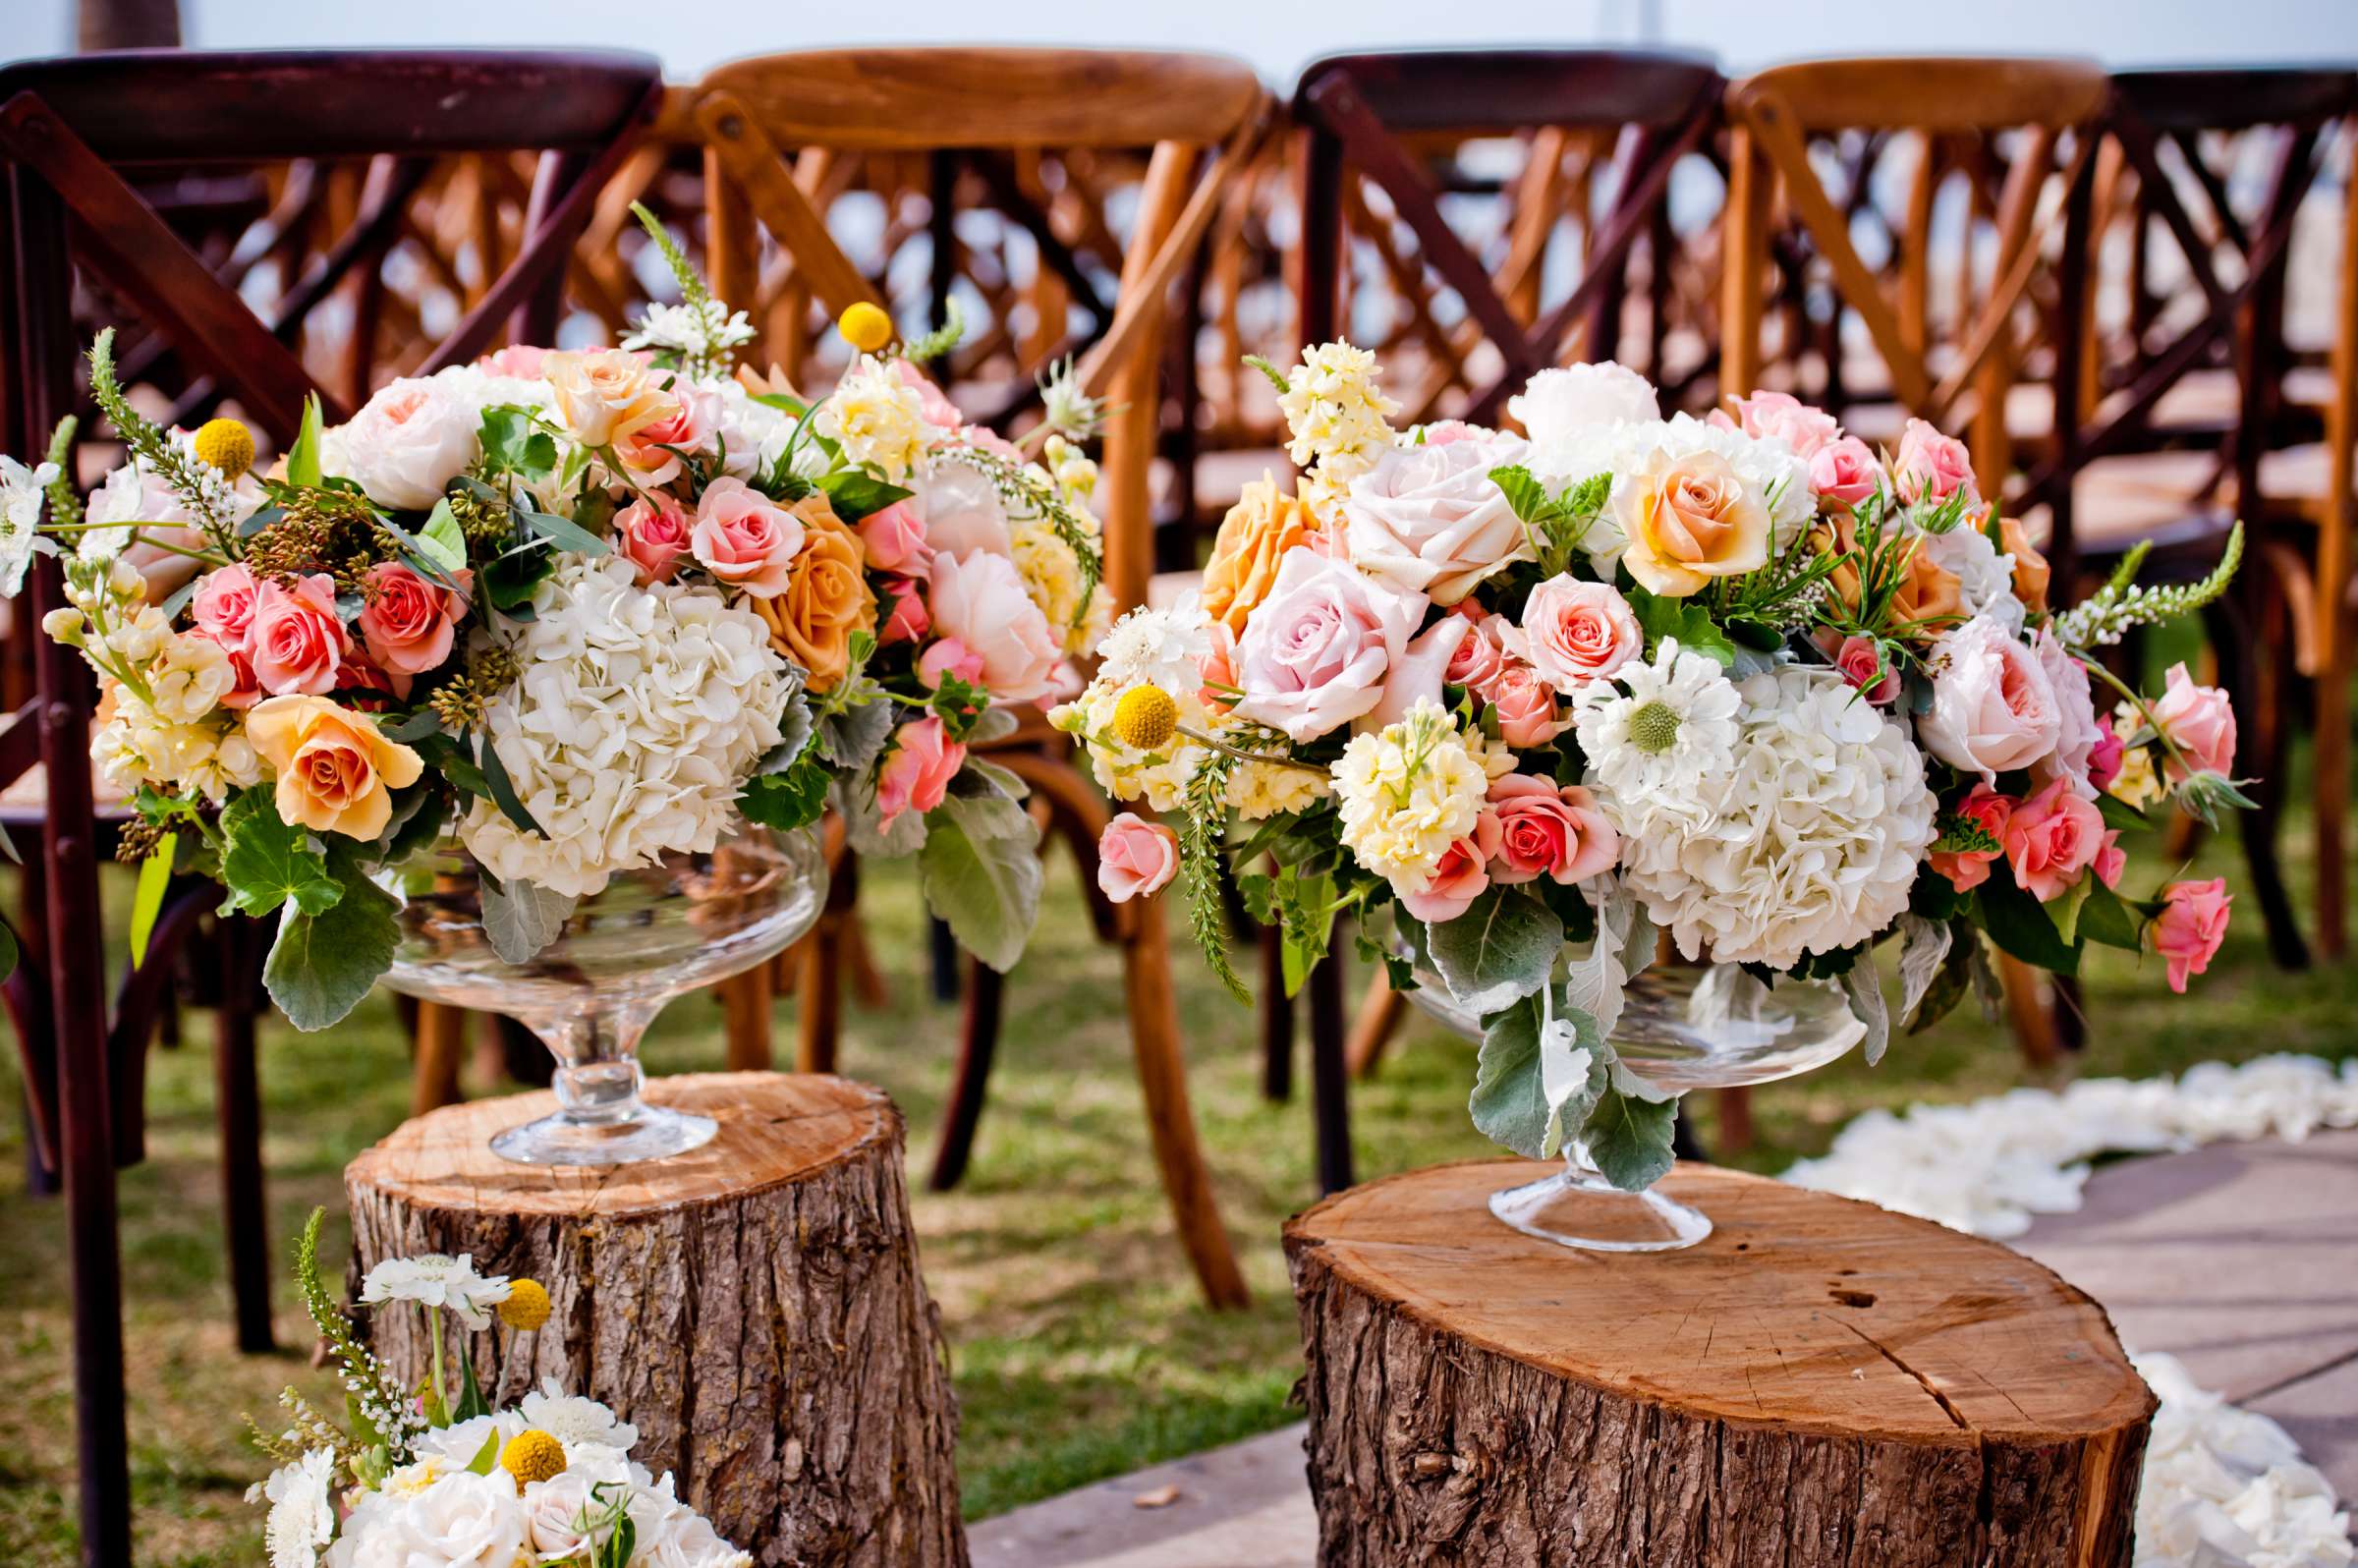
(987,890)
(855,494)
(268,863)
(440,540)
(155,875)
(795,797)
(1629,1139)
(1497,951)
(322,964)
(513,442)
(1691,624)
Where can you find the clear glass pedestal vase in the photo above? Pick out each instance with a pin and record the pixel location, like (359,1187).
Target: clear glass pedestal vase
(1683,1026)
(649,935)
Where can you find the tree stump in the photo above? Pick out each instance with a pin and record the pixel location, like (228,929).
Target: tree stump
(753,1307)
(1818,1383)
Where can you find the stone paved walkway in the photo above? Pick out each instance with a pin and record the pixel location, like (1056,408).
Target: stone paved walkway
(2241,1259)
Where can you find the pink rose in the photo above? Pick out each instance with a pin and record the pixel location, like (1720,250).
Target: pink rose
(895,538)
(1994,709)
(647,450)
(1419,671)
(2191,925)
(1526,706)
(1216,667)
(1967,869)
(407,621)
(935,403)
(2105,756)
(1480,658)
(223,605)
(1442,432)
(1547,830)
(916,772)
(1429,520)
(1845,471)
(2199,721)
(652,534)
(744,538)
(1459,877)
(519,359)
(946,658)
(1858,659)
(907,621)
(1783,417)
(1315,654)
(2052,838)
(296,642)
(1575,632)
(1136,857)
(2110,858)
(979,599)
(957,508)
(1931,467)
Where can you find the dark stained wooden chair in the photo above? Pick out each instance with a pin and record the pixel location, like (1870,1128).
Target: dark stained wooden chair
(72,153)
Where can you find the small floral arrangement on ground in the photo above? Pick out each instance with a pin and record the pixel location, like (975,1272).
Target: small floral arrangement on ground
(577,610)
(433,1474)
(1740,679)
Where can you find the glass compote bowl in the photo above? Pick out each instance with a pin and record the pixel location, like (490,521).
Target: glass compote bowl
(1683,1026)
(621,955)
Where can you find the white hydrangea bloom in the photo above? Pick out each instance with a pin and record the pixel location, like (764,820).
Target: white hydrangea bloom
(636,719)
(1676,724)
(1804,840)
(438,1279)
(1407,793)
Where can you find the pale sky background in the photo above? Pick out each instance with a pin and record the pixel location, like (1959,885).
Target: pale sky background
(692,34)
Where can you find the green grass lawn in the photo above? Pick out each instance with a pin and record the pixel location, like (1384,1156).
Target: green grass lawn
(1080,1346)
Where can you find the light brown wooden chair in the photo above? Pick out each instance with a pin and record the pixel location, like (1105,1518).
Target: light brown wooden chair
(778,130)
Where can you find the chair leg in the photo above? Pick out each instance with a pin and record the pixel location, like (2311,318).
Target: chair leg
(1276,1019)
(440,1044)
(1329,1084)
(745,1012)
(1170,1120)
(2249,669)
(2034,1025)
(977,1044)
(943,950)
(868,982)
(245,1203)
(1735,1120)
(1372,1029)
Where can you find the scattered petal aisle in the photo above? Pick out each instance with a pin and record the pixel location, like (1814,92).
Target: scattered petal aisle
(2223,1487)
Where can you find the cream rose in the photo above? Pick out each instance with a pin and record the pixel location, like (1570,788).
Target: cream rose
(1689,520)
(978,599)
(604,395)
(1429,520)
(1994,709)
(335,772)
(1318,651)
(407,442)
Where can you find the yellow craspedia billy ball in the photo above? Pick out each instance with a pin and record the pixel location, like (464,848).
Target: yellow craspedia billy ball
(532,1456)
(1146,718)
(527,1305)
(227,445)
(865,327)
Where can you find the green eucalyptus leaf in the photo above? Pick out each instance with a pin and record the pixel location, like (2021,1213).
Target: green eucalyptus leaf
(503,789)
(440,540)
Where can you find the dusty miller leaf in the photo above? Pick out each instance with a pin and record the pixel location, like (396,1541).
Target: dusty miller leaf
(521,917)
(1501,949)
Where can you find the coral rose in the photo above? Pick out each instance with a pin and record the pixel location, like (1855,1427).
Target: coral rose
(916,772)
(1136,857)
(907,620)
(335,772)
(1689,520)
(2191,925)
(407,621)
(652,452)
(1967,869)
(1254,537)
(2052,838)
(1549,830)
(296,640)
(1460,877)
(826,596)
(652,534)
(1526,706)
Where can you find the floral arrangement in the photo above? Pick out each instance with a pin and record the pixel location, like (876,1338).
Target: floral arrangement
(577,610)
(1739,680)
(435,1474)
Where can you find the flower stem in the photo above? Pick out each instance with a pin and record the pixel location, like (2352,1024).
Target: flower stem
(1244,756)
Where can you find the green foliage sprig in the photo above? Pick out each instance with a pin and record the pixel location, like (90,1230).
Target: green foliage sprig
(1202,835)
(2108,614)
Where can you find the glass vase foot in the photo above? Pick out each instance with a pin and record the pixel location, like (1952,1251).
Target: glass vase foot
(1579,1207)
(652,1133)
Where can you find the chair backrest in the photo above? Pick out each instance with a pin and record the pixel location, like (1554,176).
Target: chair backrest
(2001,126)
(63,124)
(1603,130)
(783,134)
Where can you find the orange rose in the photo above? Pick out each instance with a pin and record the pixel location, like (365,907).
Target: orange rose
(1929,592)
(1254,537)
(1689,520)
(336,773)
(826,600)
(2031,570)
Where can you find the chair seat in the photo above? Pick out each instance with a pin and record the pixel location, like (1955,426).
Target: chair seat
(2158,496)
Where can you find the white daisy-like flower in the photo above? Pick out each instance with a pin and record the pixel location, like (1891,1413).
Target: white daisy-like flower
(1165,646)
(438,1279)
(574,1421)
(1675,724)
(21,493)
(303,1511)
(1805,838)
(700,335)
(1407,793)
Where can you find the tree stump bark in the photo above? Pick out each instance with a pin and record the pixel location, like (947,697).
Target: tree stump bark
(753,1307)
(1819,1384)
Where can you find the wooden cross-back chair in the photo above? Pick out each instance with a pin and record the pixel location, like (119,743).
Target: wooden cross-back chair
(776,129)
(68,142)
(2189,419)
(1593,120)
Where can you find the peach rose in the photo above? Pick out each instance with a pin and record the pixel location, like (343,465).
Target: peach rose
(1549,830)
(2052,838)
(1931,467)
(1526,706)
(2030,571)
(296,640)
(223,605)
(894,537)
(1136,857)
(916,772)
(687,427)
(2191,925)
(407,620)
(747,539)
(826,596)
(1967,869)
(978,599)
(604,395)
(1845,471)
(1689,520)
(1254,539)
(1459,877)
(2199,721)
(652,534)
(408,441)
(335,772)
(1576,631)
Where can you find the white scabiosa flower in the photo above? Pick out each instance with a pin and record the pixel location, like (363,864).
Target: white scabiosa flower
(635,719)
(1166,646)
(438,1279)
(1407,793)
(302,1513)
(1675,722)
